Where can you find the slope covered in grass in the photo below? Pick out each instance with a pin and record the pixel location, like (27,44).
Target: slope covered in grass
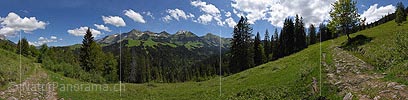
(10,70)
(289,77)
(387,50)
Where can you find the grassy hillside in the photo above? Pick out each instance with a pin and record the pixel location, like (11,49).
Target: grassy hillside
(289,77)
(387,50)
(10,68)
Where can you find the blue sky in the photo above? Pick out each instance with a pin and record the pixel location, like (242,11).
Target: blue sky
(49,21)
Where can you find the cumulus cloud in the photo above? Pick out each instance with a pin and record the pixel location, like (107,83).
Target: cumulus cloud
(275,11)
(82,31)
(209,11)
(114,20)
(375,13)
(134,16)
(148,13)
(13,23)
(43,40)
(230,22)
(176,14)
(228,14)
(204,19)
(102,27)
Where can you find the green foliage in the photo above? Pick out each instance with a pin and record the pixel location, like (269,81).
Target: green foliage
(267,45)
(312,34)
(11,71)
(25,49)
(259,53)
(401,14)
(299,36)
(275,44)
(86,56)
(324,33)
(8,45)
(344,16)
(43,53)
(292,38)
(241,48)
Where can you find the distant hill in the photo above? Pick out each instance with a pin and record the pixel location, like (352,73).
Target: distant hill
(180,38)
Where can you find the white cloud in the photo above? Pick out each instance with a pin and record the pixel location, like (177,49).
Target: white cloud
(228,14)
(43,40)
(209,11)
(13,23)
(114,20)
(205,19)
(230,22)
(176,14)
(275,11)
(53,37)
(207,8)
(102,27)
(134,16)
(375,13)
(82,31)
(148,13)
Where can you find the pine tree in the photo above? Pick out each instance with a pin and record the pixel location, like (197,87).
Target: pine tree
(345,16)
(241,51)
(299,35)
(275,45)
(400,13)
(43,53)
(312,34)
(23,47)
(286,40)
(259,54)
(85,54)
(110,70)
(267,45)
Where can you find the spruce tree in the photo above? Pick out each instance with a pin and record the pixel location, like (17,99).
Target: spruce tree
(23,47)
(241,49)
(275,44)
(43,53)
(312,34)
(286,40)
(85,54)
(400,13)
(258,50)
(267,45)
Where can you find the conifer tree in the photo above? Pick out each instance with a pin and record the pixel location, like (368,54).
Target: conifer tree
(400,13)
(259,54)
(312,34)
(23,47)
(267,45)
(85,54)
(241,48)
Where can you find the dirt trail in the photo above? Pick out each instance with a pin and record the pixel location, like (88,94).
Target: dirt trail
(36,87)
(352,75)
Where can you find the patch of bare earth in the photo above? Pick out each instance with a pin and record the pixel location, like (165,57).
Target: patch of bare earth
(36,87)
(356,79)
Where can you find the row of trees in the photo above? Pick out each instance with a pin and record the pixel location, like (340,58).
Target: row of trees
(401,13)
(89,63)
(247,52)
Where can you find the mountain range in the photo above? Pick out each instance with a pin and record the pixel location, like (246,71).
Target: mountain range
(180,38)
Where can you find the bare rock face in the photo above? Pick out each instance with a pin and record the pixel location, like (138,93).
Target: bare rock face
(348,96)
(2,37)
(12,98)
